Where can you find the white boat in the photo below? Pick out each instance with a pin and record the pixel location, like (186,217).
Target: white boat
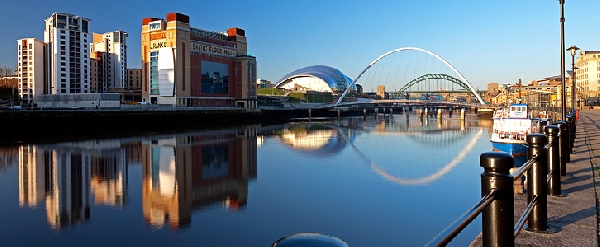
(510,130)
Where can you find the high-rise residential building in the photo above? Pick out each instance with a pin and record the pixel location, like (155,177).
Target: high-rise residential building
(587,74)
(97,68)
(187,66)
(32,71)
(113,47)
(67,38)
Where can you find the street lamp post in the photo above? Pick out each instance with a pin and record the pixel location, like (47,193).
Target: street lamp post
(562,58)
(573,49)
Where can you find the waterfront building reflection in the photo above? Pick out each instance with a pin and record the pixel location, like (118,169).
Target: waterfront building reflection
(186,172)
(66,175)
(145,189)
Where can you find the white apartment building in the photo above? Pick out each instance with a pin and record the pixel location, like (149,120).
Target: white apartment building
(67,38)
(31,69)
(588,73)
(113,45)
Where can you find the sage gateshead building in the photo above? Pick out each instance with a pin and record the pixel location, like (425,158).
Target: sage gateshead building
(318,78)
(186,66)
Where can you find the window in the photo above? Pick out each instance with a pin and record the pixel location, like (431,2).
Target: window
(30,46)
(62,37)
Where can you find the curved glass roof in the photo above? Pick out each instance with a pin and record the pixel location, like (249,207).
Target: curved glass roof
(332,76)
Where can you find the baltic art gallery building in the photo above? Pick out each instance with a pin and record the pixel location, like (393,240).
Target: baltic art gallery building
(186,66)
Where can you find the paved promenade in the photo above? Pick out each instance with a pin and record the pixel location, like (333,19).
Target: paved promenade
(572,218)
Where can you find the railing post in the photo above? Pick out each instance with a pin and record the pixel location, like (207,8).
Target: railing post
(497,219)
(554,185)
(536,184)
(567,140)
(575,118)
(543,124)
(562,149)
(570,130)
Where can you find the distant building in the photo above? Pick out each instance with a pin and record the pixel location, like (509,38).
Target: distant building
(32,71)
(134,80)
(262,83)
(112,48)
(381,91)
(588,73)
(133,90)
(67,38)
(187,66)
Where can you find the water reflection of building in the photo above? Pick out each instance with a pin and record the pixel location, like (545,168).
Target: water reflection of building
(64,175)
(9,157)
(68,187)
(109,174)
(314,139)
(185,172)
(32,187)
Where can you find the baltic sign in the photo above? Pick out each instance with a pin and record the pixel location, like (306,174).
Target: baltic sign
(157,44)
(204,48)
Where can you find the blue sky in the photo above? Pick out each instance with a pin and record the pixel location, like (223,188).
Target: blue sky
(487,41)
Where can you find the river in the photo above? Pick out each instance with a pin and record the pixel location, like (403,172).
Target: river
(381,181)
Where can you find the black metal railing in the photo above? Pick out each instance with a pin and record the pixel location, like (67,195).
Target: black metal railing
(547,156)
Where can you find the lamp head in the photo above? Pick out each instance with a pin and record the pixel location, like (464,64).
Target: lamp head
(573,50)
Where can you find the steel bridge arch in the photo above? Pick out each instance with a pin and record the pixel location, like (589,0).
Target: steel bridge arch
(433,76)
(414,49)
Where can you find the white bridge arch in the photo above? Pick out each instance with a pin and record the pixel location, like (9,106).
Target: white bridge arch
(414,49)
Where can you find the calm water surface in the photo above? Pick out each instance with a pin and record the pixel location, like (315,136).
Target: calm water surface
(381,182)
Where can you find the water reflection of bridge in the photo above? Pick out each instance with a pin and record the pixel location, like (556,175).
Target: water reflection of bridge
(189,171)
(454,137)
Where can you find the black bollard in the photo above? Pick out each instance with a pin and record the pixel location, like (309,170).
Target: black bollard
(575,118)
(543,124)
(553,159)
(562,150)
(497,218)
(536,184)
(567,142)
(570,130)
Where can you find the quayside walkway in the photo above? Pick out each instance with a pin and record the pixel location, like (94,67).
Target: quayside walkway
(573,217)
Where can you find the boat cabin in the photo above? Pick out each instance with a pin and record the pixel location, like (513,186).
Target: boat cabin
(517,111)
